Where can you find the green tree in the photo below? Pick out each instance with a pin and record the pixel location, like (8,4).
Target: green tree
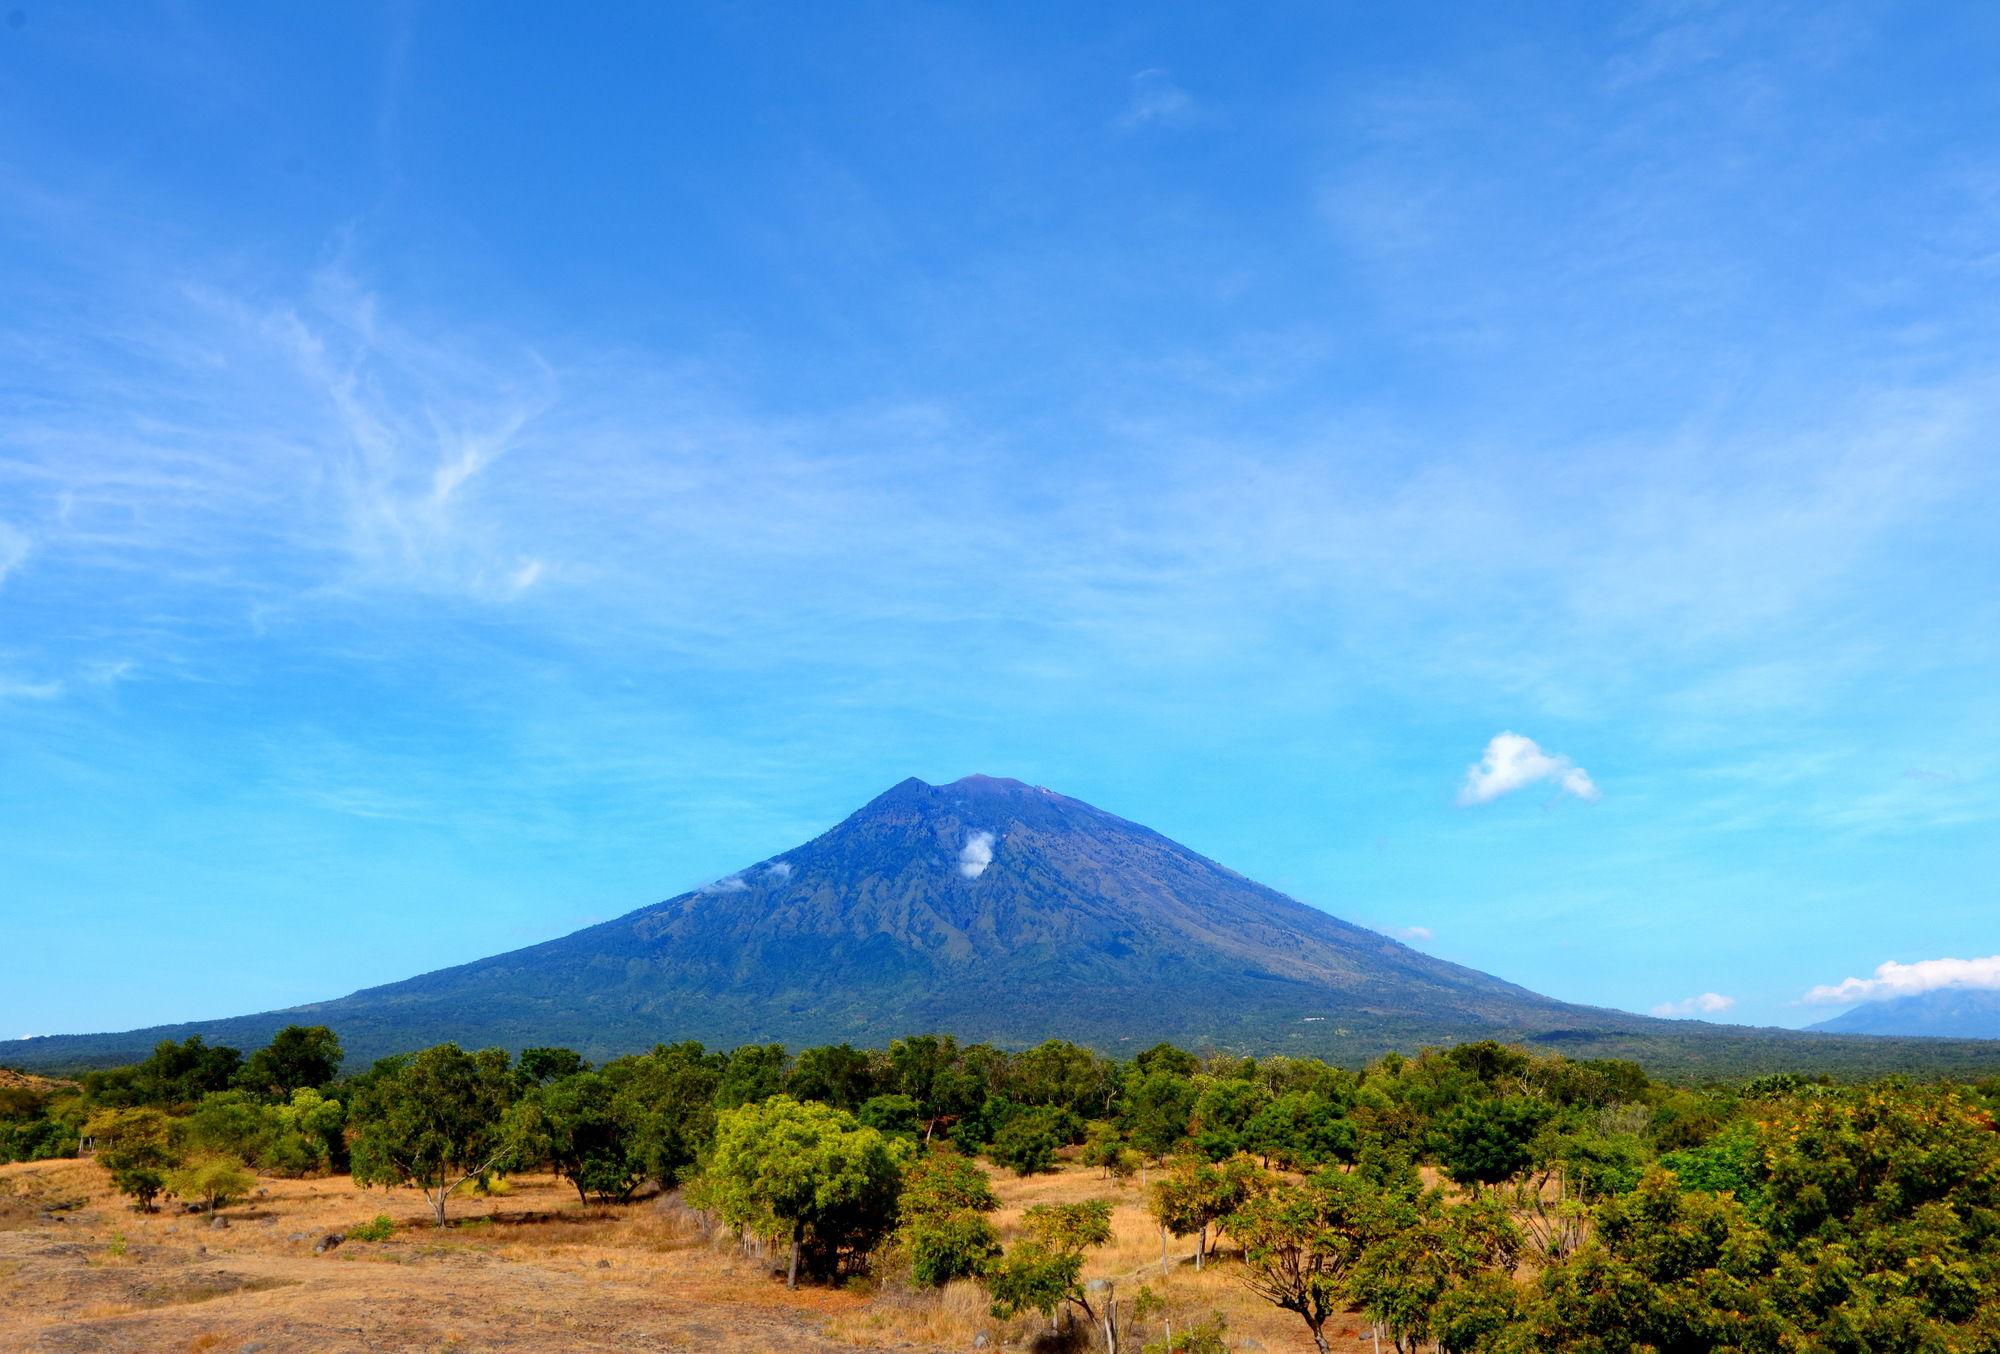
(136,1147)
(540,1066)
(1195,1194)
(1420,1251)
(309,1134)
(753,1073)
(299,1057)
(836,1074)
(433,1121)
(667,1096)
(214,1178)
(943,1228)
(1222,1114)
(1028,1141)
(235,1122)
(891,1114)
(1300,1241)
(806,1170)
(579,1125)
(1044,1269)
(1484,1141)
(1300,1129)
(1156,1107)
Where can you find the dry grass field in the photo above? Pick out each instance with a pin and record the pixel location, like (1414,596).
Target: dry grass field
(530,1269)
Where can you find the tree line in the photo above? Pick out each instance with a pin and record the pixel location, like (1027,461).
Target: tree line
(1478,1198)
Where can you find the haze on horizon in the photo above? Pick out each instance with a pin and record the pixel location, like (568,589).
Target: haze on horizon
(1521,481)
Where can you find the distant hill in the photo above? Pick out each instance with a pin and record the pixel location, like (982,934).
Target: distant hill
(995,911)
(1948,1013)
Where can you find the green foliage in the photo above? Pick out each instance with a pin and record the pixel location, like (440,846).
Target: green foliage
(1299,1130)
(1301,1241)
(1028,1141)
(750,1074)
(667,1097)
(807,1171)
(1043,1270)
(308,1138)
(539,1066)
(136,1147)
(378,1228)
(299,1057)
(943,1230)
(838,1075)
(1155,1107)
(1484,1141)
(581,1127)
(1222,1114)
(211,1178)
(235,1122)
(434,1120)
(174,1077)
(891,1114)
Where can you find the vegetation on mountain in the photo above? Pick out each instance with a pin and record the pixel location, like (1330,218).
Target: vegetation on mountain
(1082,922)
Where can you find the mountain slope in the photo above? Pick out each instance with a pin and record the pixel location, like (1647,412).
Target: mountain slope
(1948,1013)
(985,908)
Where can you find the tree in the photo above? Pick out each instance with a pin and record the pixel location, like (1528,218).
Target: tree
(1196,1194)
(235,1122)
(890,1113)
(807,1170)
(1300,1129)
(135,1146)
(540,1066)
(1156,1107)
(299,1057)
(1222,1113)
(211,1177)
(1027,1142)
(1423,1248)
(668,1098)
(1044,1269)
(1301,1241)
(576,1125)
(1106,1150)
(752,1073)
(932,1070)
(308,1136)
(433,1121)
(943,1228)
(837,1074)
(1485,1141)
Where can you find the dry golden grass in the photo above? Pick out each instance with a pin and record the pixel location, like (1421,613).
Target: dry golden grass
(530,1270)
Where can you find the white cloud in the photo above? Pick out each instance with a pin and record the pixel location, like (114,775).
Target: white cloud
(13,549)
(1907,980)
(779,869)
(32,691)
(733,884)
(1512,762)
(1708,1003)
(976,855)
(1156,99)
(1412,933)
(525,577)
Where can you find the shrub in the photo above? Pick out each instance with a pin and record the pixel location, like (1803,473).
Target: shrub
(378,1228)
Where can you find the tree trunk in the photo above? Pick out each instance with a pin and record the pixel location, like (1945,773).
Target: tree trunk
(1200,1247)
(437,1203)
(1163,1258)
(798,1232)
(1319,1340)
(582,1198)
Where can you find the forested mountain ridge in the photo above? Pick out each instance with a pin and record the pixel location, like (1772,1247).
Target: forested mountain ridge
(989,909)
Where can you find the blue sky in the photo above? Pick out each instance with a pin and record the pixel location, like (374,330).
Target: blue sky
(468,471)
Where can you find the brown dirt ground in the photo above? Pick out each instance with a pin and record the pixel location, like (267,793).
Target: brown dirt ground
(530,1270)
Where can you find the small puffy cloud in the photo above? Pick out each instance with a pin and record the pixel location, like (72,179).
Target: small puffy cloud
(1707,1004)
(779,869)
(1156,101)
(733,884)
(1512,762)
(1908,980)
(525,577)
(975,855)
(1413,934)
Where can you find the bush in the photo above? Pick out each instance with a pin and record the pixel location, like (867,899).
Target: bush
(1027,1142)
(378,1228)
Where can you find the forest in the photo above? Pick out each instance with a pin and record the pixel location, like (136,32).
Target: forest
(1473,1198)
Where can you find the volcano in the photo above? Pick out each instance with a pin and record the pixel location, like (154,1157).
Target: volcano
(986,908)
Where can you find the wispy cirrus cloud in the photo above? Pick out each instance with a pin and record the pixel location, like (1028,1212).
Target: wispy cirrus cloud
(1893,979)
